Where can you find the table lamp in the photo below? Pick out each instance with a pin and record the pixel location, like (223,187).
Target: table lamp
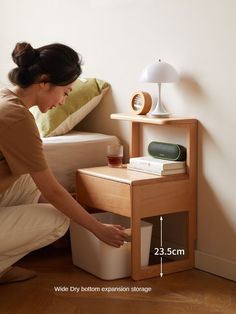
(159,72)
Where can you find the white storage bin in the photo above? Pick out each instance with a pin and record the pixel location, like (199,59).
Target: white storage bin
(101,259)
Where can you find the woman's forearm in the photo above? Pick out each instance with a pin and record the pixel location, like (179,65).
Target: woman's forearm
(64,202)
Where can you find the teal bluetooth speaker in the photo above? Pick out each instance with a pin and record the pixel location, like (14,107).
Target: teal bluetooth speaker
(167,151)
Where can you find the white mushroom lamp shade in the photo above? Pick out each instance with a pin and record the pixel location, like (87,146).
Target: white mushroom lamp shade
(159,72)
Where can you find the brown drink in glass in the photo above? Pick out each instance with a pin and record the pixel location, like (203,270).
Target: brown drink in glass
(115,155)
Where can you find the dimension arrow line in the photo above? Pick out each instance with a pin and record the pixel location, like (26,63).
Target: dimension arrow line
(161,220)
(161,273)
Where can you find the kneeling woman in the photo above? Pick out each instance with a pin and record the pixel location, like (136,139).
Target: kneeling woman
(43,77)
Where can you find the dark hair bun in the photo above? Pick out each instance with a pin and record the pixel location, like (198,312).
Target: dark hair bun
(60,63)
(24,54)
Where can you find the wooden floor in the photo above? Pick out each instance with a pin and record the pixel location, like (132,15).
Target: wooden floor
(193,291)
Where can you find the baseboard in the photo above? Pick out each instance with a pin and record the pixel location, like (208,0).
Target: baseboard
(215,265)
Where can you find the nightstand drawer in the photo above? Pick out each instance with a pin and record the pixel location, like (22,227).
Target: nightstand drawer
(104,194)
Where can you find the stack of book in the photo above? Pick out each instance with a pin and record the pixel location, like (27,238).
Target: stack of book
(157,166)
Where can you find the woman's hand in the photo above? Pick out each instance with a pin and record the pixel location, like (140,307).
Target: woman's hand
(112,234)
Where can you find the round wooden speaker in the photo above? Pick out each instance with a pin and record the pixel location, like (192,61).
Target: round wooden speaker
(141,102)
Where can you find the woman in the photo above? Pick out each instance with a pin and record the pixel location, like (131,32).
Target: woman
(43,77)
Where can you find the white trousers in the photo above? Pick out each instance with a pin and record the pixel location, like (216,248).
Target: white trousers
(26,225)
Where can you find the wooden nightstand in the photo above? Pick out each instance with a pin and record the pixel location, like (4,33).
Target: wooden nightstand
(139,195)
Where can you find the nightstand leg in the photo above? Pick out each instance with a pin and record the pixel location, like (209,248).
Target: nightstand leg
(136,247)
(135,136)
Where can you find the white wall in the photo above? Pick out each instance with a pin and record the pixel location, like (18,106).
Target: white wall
(117,39)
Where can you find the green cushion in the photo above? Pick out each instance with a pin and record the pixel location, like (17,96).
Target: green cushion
(85,96)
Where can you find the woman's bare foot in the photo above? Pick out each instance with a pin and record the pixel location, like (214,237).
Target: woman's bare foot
(16,274)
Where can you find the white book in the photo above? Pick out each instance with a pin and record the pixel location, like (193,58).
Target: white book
(148,162)
(156,171)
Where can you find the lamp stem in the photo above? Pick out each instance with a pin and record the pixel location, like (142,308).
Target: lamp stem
(159,110)
(159,94)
